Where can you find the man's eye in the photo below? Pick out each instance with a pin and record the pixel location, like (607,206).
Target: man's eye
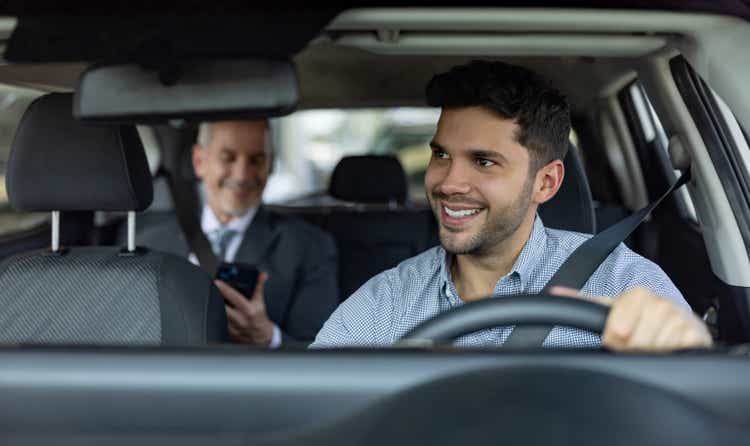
(440,154)
(258,160)
(485,162)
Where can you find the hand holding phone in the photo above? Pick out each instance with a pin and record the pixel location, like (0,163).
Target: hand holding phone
(241,286)
(240,276)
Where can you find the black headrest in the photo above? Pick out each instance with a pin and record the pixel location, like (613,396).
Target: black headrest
(58,163)
(572,208)
(369,179)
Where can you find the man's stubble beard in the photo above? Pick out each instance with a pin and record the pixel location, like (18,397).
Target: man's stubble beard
(227,204)
(493,232)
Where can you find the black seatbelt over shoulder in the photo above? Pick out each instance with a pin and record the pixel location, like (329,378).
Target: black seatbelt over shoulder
(185,204)
(584,261)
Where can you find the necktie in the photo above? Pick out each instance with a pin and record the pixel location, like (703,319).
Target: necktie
(220,239)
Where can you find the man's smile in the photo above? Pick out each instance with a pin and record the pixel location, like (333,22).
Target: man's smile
(458,215)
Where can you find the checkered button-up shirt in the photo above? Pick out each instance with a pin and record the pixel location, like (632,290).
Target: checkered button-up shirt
(393,302)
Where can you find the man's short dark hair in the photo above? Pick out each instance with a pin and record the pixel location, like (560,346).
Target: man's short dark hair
(541,112)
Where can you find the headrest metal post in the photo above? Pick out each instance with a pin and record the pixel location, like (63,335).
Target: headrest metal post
(55,231)
(131,231)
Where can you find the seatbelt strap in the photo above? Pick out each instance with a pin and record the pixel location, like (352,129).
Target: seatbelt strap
(185,204)
(583,262)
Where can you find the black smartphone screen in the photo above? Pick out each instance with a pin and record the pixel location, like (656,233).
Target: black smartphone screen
(239,276)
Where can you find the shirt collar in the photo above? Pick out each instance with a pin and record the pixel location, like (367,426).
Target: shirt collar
(530,255)
(210,223)
(532,252)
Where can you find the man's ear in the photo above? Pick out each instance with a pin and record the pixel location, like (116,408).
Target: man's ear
(549,178)
(198,158)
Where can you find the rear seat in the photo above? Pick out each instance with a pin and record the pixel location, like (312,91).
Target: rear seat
(370,219)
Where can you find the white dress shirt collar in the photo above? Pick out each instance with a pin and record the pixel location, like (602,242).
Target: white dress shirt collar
(210,222)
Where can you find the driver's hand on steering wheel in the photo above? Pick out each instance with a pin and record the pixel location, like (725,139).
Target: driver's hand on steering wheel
(639,320)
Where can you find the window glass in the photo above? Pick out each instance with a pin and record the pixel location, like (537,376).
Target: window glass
(735,131)
(150,146)
(653,132)
(13,103)
(310,143)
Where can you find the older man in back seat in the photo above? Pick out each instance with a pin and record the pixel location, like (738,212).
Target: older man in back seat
(496,156)
(298,287)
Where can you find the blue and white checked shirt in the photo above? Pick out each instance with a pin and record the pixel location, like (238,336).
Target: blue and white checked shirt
(390,304)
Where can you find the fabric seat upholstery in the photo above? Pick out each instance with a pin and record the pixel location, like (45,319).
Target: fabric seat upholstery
(369,179)
(95,295)
(572,208)
(373,227)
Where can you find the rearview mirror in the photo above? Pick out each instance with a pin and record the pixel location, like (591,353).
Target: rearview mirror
(198,90)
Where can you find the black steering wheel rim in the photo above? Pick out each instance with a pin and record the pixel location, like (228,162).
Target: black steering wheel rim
(531,309)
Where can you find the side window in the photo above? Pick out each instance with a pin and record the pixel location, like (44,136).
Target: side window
(13,103)
(734,131)
(654,133)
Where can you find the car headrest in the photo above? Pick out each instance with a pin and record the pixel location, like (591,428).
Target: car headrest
(58,163)
(572,208)
(369,179)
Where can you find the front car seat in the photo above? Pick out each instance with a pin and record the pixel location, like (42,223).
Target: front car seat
(572,208)
(95,295)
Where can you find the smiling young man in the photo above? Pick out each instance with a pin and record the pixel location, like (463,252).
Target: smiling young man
(496,156)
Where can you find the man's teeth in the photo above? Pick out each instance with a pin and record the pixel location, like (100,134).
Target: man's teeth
(459,214)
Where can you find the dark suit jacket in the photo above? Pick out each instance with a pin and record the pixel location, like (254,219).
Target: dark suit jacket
(300,259)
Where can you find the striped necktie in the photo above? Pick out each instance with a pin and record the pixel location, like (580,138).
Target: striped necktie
(220,239)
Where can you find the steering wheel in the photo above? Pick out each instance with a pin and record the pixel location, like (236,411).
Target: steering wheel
(524,403)
(539,403)
(519,310)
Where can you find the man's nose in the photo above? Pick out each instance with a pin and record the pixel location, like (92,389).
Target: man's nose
(243,170)
(456,180)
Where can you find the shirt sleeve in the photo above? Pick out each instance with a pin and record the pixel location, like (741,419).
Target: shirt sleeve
(356,321)
(275,338)
(631,270)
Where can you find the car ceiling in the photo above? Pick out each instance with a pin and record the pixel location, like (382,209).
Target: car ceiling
(333,74)
(738,8)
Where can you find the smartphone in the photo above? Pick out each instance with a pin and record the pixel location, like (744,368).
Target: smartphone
(240,276)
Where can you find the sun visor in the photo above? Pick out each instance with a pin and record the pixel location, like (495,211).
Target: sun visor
(199,90)
(106,32)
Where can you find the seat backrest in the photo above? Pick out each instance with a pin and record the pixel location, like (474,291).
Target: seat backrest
(369,179)
(572,208)
(373,228)
(371,241)
(95,295)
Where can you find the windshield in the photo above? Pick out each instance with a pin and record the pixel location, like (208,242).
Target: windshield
(367,212)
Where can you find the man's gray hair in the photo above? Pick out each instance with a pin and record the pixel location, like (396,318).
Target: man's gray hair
(204,134)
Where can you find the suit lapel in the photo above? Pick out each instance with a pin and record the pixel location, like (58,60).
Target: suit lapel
(258,239)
